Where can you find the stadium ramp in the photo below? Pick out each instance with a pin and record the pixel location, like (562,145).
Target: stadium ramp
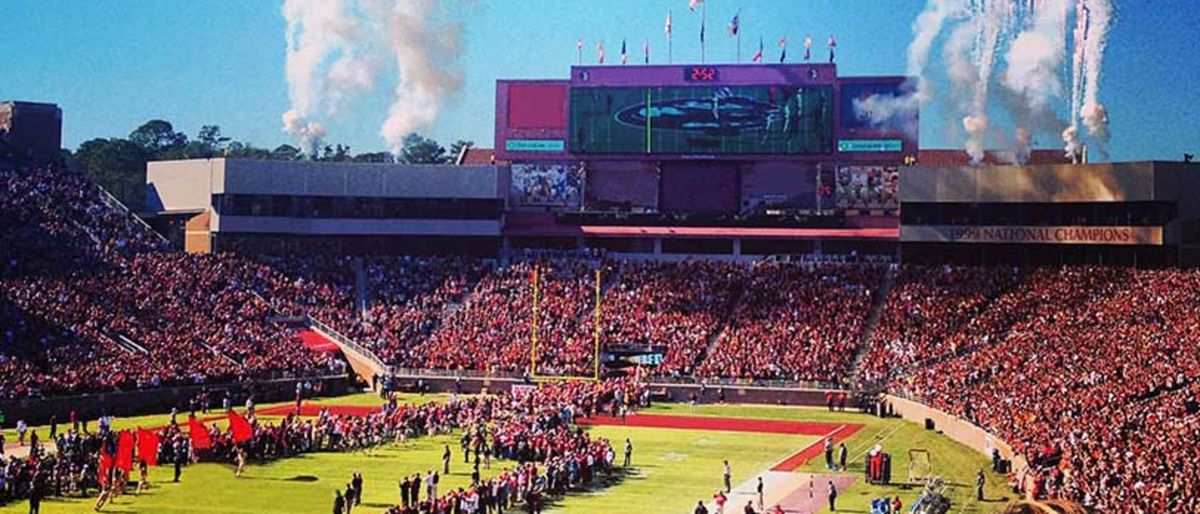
(363,361)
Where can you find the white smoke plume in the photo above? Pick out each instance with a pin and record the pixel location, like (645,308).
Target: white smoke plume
(316,29)
(336,50)
(900,111)
(1026,42)
(1035,59)
(427,48)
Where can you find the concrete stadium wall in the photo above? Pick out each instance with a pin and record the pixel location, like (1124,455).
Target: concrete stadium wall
(672,392)
(152,401)
(957,429)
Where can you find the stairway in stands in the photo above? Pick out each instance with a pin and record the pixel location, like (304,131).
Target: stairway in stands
(878,303)
(738,299)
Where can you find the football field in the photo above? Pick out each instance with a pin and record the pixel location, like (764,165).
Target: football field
(677,460)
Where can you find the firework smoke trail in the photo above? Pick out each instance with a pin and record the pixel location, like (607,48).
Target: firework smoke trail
(1035,58)
(991,18)
(1094,113)
(1071,134)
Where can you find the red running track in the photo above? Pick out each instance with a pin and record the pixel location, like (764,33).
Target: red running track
(838,431)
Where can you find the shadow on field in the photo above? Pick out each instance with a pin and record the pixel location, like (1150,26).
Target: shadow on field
(619,475)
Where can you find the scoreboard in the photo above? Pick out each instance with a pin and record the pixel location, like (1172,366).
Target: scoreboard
(758,112)
(718,120)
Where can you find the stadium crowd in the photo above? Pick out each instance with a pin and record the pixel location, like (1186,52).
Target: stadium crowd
(1094,382)
(796,322)
(1091,373)
(92,301)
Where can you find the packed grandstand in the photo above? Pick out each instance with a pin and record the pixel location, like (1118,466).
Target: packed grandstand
(1089,372)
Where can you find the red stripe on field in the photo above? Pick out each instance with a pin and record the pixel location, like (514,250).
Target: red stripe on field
(815,449)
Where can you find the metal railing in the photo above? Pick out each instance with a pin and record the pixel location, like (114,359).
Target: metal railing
(361,350)
(113,202)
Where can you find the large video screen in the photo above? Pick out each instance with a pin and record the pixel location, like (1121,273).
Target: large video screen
(788,120)
(885,108)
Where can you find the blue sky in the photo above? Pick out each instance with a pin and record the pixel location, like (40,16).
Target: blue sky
(113,65)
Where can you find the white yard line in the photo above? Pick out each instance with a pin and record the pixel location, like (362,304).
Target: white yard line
(777,485)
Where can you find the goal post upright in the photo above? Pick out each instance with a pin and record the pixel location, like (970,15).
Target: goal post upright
(533,325)
(596,328)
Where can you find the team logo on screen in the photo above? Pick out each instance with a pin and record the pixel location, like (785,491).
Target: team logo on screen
(722,113)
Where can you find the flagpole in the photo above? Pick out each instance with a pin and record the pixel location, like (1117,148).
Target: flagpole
(703,17)
(739,45)
(670,58)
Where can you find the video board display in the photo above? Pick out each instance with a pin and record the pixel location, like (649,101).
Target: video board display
(546,184)
(786,120)
(878,107)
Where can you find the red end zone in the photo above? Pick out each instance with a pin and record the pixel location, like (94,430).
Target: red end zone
(838,431)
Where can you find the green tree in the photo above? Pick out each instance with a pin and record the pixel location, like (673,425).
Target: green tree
(285,153)
(119,165)
(159,139)
(381,157)
(418,149)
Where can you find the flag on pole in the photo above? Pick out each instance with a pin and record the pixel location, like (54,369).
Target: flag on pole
(758,56)
(198,434)
(579,44)
(600,51)
(668,25)
(735,25)
(241,429)
(125,446)
(693,3)
(783,49)
(832,45)
(147,446)
(646,51)
(624,56)
(807,48)
(104,470)
(702,32)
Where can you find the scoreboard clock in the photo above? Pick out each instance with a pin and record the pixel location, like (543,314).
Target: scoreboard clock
(700,74)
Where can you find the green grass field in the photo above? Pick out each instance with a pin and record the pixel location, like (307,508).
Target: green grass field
(672,469)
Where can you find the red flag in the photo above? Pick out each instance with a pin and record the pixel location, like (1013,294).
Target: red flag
(242,431)
(147,446)
(106,464)
(198,434)
(125,451)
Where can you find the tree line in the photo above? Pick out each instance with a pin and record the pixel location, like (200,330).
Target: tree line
(119,164)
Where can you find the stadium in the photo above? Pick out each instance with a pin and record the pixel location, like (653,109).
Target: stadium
(665,288)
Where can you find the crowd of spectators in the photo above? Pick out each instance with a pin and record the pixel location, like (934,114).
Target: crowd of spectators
(934,311)
(91,300)
(1094,381)
(796,322)
(492,329)
(677,306)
